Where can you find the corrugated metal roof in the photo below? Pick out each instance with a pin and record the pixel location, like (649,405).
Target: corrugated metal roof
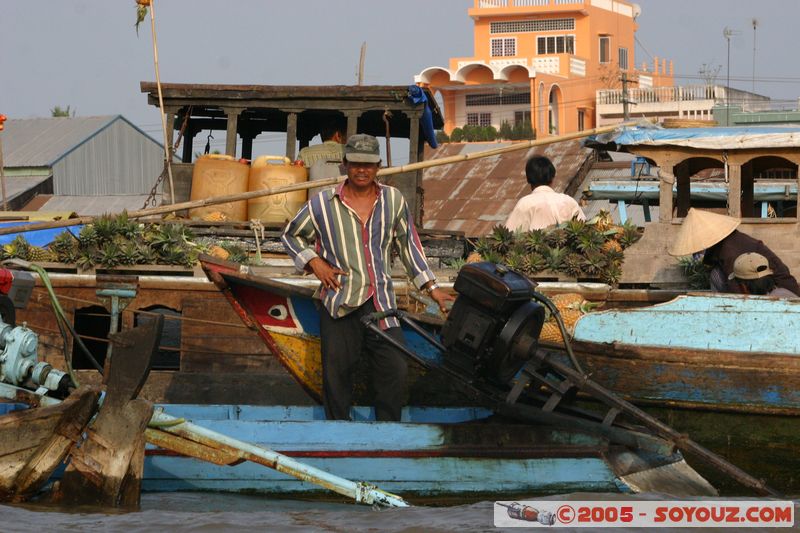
(474,196)
(16,185)
(39,142)
(95,205)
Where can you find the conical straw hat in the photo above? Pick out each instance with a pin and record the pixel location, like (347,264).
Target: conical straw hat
(701,230)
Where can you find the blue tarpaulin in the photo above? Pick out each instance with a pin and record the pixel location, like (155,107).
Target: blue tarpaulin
(708,138)
(416,95)
(41,237)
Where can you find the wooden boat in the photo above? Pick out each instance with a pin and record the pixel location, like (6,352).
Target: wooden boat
(34,442)
(433,452)
(747,398)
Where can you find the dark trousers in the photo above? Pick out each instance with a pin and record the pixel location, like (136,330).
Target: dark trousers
(343,342)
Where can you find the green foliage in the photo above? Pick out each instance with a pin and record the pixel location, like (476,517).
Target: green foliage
(58,111)
(457,135)
(442,137)
(593,249)
(505,130)
(696,272)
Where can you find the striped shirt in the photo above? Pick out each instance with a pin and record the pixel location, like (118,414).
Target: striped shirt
(364,251)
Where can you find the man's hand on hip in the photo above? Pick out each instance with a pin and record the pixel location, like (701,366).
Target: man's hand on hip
(325,273)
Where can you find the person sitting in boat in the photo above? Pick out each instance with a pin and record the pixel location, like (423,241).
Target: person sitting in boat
(717,236)
(543,207)
(752,272)
(355,227)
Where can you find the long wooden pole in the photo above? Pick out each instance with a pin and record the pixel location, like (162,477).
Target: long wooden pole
(167,141)
(160,210)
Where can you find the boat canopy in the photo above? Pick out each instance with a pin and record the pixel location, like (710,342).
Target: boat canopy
(701,138)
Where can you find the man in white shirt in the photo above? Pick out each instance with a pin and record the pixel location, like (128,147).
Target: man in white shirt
(543,207)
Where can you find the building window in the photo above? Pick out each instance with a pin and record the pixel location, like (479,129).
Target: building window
(623,58)
(504,47)
(605,47)
(581,120)
(527,26)
(555,44)
(479,119)
(497,99)
(522,117)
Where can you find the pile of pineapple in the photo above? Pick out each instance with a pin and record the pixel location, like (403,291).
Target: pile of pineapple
(120,241)
(591,249)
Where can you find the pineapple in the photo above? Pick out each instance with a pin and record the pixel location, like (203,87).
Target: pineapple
(515,261)
(603,221)
(129,253)
(239,254)
(574,228)
(594,263)
(221,253)
(630,234)
(556,237)
(610,245)
(216,216)
(490,256)
(65,247)
(473,257)
(590,241)
(18,248)
(555,258)
(534,240)
(573,265)
(483,245)
(105,228)
(612,273)
(534,263)
(503,239)
(85,260)
(88,236)
(38,254)
(126,227)
(109,255)
(571,307)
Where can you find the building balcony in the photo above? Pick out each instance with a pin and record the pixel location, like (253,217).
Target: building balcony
(520,7)
(690,101)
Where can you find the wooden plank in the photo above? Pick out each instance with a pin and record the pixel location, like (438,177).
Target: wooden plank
(218,348)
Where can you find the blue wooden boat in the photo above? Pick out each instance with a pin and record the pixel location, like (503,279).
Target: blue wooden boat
(433,452)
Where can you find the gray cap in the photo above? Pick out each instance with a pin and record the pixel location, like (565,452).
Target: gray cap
(362,148)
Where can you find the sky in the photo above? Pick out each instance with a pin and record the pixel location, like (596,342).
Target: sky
(86,54)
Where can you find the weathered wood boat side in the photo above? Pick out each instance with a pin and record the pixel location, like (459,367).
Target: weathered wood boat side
(722,352)
(34,442)
(432,452)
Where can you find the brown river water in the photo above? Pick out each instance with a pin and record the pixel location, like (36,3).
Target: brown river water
(212,512)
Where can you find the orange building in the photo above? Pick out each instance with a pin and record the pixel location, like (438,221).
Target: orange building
(542,61)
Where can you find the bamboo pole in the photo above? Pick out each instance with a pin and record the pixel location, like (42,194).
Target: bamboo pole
(167,143)
(160,210)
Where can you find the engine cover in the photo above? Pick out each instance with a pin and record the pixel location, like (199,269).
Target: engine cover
(493,326)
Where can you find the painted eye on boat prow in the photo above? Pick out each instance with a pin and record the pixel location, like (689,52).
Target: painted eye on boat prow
(278,312)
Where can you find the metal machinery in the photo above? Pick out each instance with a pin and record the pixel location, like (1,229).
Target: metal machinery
(19,364)
(494,326)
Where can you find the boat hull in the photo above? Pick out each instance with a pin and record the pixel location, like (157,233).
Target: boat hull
(431,453)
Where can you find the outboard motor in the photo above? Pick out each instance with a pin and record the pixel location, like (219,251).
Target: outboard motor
(494,326)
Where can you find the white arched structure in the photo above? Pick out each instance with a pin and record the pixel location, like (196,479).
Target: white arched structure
(464,70)
(508,69)
(427,75)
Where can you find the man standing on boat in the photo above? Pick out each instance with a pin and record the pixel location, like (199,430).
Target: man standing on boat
(345,237)
(543,207)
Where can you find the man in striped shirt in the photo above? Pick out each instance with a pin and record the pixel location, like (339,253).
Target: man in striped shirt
(353,229)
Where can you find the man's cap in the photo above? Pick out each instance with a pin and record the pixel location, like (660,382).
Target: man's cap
(701,230)
(362,148)
(750,266)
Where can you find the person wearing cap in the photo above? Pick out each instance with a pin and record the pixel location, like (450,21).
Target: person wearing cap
(543,207)
(717,236)
(752,272)
(345,237)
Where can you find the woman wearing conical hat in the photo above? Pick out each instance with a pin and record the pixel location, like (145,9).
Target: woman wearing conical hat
(723,243)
